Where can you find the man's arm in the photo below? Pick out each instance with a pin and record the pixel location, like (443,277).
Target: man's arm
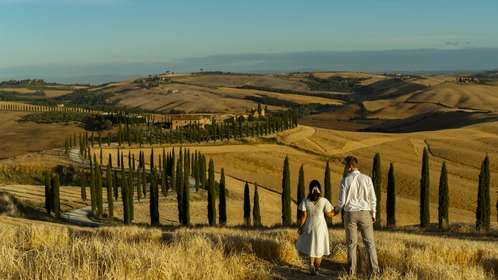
(372,199)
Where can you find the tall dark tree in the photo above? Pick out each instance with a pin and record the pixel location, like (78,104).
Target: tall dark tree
(425,214)
(203,172)
(83,184)
(110,188)
(154,198)
(179,189)
(124,196)
(98,188)
(444,200)
(301,193)
(256,212)
(377,183)
(48,192)
(483,213)
(247,205)
(186,192)
(56,198)
(328,189)
(286,195)
(211,194)
(93,193)
(223,200)
(391,198)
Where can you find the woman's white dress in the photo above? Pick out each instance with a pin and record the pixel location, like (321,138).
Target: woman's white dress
(314,240)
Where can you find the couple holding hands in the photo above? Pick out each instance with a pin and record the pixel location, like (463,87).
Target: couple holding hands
(357,199)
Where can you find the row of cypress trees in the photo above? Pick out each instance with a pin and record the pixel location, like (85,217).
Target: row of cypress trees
(483,212)
(134,133)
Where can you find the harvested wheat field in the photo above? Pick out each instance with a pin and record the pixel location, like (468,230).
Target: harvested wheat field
(39,250)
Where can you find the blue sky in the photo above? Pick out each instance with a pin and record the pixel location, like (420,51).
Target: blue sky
(97,32)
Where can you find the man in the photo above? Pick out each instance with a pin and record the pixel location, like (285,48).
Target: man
(357,198)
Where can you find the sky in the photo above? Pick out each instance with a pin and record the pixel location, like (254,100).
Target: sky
(95,37)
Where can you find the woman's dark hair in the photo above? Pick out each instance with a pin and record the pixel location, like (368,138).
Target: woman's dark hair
(314,196)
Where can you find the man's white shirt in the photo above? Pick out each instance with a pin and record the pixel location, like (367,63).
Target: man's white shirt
(357,193)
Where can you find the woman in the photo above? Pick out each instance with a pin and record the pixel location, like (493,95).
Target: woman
(313,239)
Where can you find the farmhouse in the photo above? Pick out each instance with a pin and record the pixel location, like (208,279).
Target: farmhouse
(179,121)
(256,114)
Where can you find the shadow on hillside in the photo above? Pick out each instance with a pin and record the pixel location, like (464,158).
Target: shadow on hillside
(433,121)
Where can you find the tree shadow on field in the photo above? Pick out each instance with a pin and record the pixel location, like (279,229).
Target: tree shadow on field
(330,269)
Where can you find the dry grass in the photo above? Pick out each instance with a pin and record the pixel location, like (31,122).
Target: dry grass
(48,252)
(44,251)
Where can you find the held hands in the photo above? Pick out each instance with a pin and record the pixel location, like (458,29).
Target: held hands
(300,230)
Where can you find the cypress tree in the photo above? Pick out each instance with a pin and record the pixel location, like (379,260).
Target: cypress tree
(124,195)
(116,185)
(139,183)
(93,193)
(377,183)
(483,213)
(98,189)
(203,173)
(286,196)
(328,189)
(164,178)
(186,189)
(56,199)
(247,205)
(179,189)
(391,198)
(154,198)
(211,195)
(425,214)
(83,184)
(48,193)
(223,200)
(131,192)
(256,215)
(144,179)
(186,200)
(444,202)
(110,202)
(173,169)
(301,193)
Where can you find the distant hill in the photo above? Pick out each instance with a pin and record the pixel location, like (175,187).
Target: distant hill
(82,80)
(395,102)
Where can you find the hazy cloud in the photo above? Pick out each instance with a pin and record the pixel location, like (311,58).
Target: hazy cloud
(454,44)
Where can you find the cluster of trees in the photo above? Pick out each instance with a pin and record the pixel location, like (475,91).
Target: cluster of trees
(173,174)
(333,83)
(28,83)
(139,179)
(83,97)
(57,117)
